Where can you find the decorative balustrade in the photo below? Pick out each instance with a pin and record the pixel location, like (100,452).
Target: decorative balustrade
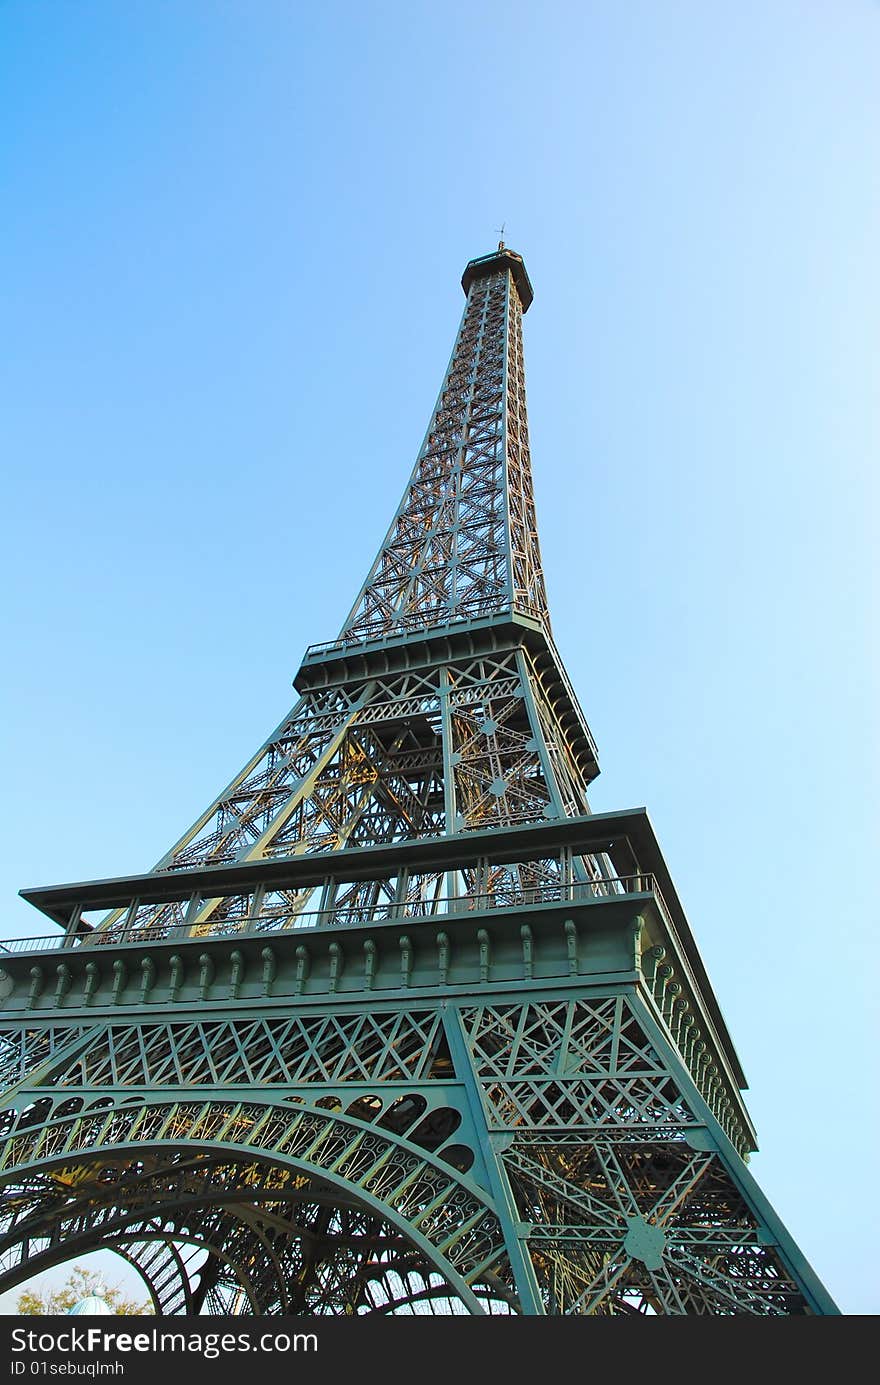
(354,915)
(411,623)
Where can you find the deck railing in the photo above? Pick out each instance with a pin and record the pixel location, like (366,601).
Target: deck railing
(275,920)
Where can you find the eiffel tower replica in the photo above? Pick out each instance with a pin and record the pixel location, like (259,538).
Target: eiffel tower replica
(399,1026)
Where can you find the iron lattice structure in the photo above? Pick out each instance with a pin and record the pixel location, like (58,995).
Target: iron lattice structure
(399,1025)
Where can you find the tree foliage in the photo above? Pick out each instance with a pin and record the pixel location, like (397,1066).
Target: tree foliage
(79,1284)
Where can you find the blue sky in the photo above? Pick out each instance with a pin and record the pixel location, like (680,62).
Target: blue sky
(231,237)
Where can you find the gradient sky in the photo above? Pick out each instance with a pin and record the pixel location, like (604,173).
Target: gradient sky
(232,233)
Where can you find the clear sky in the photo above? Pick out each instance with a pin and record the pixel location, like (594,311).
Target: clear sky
(231,236)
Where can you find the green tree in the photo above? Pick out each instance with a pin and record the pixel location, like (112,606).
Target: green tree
(79,1284)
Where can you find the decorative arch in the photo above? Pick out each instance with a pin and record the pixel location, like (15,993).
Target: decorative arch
(100,1176)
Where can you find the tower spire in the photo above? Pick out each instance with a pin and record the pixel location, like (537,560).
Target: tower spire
(463,543)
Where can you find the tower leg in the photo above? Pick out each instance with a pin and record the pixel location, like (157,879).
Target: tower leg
(491,1147)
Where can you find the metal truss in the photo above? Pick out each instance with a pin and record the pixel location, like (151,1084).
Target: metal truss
(455,744)
(336,1179)
(376,1046)
(459,746)
(464,541)
(544,1155)
(399,1026)
(628,1226)
(237,1239)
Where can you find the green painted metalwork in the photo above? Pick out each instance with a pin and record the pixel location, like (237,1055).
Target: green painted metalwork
(399,1025)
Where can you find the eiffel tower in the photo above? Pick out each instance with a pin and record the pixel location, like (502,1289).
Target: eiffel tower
(399,1026)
